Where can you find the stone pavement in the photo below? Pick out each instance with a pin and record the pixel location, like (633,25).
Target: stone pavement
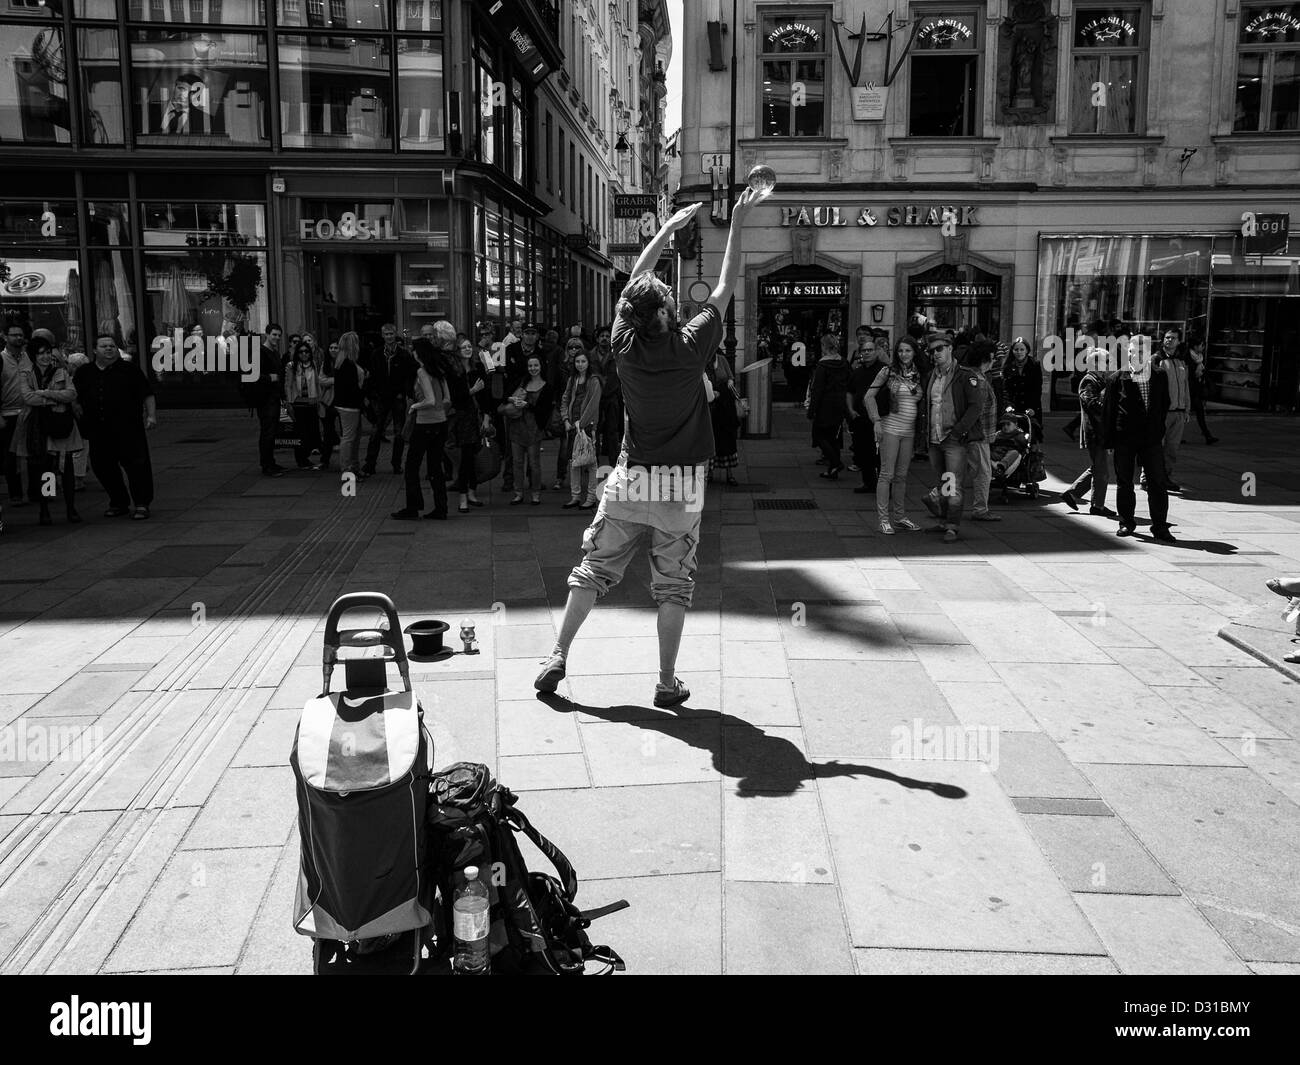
(1029,751)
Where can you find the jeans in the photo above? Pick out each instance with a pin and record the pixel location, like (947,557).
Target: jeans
(980,467)
(827,438)
(389,409)
(1200,420)
(109,456)
(306,423)
(268,421)
(948,460)
(1175,423)
(1150,458)
(1096,477)
(427,443)
(576,476)
(527,461)
(562,453)
(329,434)
(891,489)
(349,440)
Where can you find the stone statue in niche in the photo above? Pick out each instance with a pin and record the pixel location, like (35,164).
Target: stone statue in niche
(1027,64)
(803,245)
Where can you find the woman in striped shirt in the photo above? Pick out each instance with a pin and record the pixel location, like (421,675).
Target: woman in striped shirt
(895,433)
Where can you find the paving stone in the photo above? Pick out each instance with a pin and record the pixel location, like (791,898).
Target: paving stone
(1069,807)
(1098,854)
(1276,761)
(760,700)
(1128,724)
(597,654)
(250,807)
(921,870)
(197,917)
(1219,714)
(632,694)
(985,705)
(859,632)
(16,706)
(84,695)
(1149,935)
(461,716)
(969,584)
(877,962)
(1029,763)
(271,739)
(954,663)
(775,837)
(670,748)
(525,641)
(690,905)
(532,727)
(788,929)
(1265,968)
(1154,666)
(272,946)
(749,659)
(647,831)
(544,772)
(1182,814)
(1268,693)
(1021,632)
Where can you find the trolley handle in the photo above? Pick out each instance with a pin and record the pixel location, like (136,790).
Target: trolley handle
(391,638)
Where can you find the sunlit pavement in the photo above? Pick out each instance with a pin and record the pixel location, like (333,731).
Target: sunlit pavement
(1029,751)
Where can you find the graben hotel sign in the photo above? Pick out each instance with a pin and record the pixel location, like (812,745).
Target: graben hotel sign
(911,214)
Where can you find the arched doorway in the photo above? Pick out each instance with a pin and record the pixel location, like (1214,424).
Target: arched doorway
(796,306)
(957,289)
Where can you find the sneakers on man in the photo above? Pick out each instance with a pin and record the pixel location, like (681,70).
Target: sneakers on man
(950,536)
(673,694)
(908,524)
(986,515)
(551,675)
(886,528)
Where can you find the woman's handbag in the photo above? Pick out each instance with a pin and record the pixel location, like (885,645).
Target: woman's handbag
(584,449)
(742,404)
(56,423)
(487,462)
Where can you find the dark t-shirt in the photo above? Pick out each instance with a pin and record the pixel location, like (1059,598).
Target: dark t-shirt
(663,389)
(347,387)
(112,400)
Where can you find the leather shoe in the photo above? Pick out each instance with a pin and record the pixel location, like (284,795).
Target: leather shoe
(1125,530)
(405,515)
(1163,535)
(1068,499)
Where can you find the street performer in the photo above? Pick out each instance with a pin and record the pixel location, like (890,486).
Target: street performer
(658,485)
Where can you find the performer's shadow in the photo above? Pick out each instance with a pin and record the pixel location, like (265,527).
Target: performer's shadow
(760,764)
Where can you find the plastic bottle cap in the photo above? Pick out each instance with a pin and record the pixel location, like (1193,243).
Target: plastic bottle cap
(471,872)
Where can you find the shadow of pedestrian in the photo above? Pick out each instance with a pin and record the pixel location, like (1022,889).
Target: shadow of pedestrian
(759,763)
(1210,547)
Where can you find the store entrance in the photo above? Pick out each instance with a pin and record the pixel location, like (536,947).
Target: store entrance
(957,298)
(796,306)
(352,292)
(1251,359)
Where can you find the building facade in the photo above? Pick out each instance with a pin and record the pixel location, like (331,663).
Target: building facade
(1021,168)
(209,165)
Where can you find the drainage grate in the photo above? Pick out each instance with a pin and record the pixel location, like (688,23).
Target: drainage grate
(200,440)
(784,504)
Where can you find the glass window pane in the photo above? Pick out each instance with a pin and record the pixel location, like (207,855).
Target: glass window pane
(113,309)
(38,222)
(423,15)
(109,222)
(943,96)
(1108,27)
(947,32)
(1084,114)
(809,116)
(419,94)
(39,9)
(333,14)
(776,99)
(101,86)
(96,8)
(1119,115)
(199,89)
(45,293)
(204,225)
(517,126)
(1250,81)
(1269,24)
(34,105)
(783,34)
(334,92)
(193,12)
(1286,91)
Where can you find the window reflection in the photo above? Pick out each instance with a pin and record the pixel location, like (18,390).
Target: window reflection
(334,92)
(34,92)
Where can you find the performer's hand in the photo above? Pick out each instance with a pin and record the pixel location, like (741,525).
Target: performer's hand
(683,216)
(744,202)
(151,422)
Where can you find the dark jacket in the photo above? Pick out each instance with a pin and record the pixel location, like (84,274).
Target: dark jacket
(517,364)
(263,389)
(1128,422)
(1092,409)
(967,396)
(830,384)
(390,376)
(1022,388)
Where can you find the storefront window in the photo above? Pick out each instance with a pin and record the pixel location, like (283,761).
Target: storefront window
(99,9)
(1268,68)
(945,74)
(419,94)
(491,112)
(34,105)
(335,92)
(420,15)
(113,309)
(44,292)
(101,86)
(795,58)
(1109,69)
(194,12)
(426,289)
(199,89)
(39,222)
(347,15)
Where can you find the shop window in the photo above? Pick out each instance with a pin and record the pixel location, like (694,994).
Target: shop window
(795,59)
(1268,68)
(43,290)
(101,86)
(108,223)
(196,89)
(944,98)
(349,15)
(518,130)
(1108,75)
(491,112)
(335,92)
(38,222)
(34,108)
(419,94)
(192,12)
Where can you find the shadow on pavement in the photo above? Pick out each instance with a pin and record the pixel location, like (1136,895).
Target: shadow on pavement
(760,764)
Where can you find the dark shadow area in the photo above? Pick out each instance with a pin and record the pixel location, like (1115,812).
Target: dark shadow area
(760,764)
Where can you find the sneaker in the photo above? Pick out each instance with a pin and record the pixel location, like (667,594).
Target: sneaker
(1068,499)
(986,515)
(116,512)
(589,505)
(908,524)
(557,486)
(852,468)
(475,502)
(941,528)
(674,694)
(886,528)
(950,536)
(572,503)
(519,498)
(272,471)
(551,675)
(140,514)
(931,504)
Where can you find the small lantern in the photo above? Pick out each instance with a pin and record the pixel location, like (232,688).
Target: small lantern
(467,636)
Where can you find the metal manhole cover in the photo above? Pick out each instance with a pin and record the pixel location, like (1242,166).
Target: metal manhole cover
(784,504)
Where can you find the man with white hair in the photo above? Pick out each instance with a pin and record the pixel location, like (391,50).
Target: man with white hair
(661,368)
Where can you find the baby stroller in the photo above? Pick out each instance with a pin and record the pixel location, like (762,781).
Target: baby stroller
(1024,469)
(362,760)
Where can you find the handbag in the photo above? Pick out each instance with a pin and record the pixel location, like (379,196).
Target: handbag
(584,449)
(487,463)
(884,398)
(56,424)
(742,404)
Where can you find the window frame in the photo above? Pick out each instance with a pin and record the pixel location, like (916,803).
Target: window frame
(976,14)
(1269,51)
(1142,50)
(786,11)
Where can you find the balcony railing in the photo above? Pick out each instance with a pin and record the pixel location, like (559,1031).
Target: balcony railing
(549,12)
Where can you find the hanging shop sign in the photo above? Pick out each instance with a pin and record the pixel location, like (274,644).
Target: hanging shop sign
(919,291)
(507,17)
(348,227)
(634,205)
(581,241)
(780,290)
(911,214)
(1270,235)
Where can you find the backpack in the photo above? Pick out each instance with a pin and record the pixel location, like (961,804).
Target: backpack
(535,926)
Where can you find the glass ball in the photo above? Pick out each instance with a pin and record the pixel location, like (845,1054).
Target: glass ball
(762,179)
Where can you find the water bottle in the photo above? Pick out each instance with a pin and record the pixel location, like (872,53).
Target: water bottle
(470,923)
